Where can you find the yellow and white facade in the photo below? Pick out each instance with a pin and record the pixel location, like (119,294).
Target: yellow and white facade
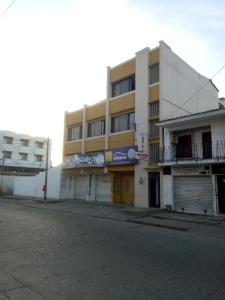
(100,141)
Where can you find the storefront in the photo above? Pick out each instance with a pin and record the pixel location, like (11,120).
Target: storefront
(120,163)
(83,178)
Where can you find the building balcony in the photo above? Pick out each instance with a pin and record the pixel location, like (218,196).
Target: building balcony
(192,153)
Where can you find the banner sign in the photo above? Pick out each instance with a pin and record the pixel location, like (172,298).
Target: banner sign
(142,156)
(84,160)
(121,156)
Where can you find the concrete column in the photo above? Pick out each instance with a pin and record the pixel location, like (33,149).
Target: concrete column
(91,187)
(107,113)
(84,131)
(142,126)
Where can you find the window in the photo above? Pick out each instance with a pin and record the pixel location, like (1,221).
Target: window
(24,143)
(154,73)
(39,145)
(154,109)
(123,122)
(8,140)
(154,153)
(39,157)
(153,129)
(96,128)
(74,133)
(7,154)
(123,86)
(23,156)
(184,147)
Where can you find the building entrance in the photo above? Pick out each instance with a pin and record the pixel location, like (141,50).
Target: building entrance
(221,193)
(154,189)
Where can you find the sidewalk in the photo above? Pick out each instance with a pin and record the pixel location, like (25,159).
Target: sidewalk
(196,224)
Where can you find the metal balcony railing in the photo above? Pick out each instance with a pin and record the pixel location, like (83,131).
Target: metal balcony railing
(188,152)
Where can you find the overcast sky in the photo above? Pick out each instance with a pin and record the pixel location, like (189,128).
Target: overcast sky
(54,53)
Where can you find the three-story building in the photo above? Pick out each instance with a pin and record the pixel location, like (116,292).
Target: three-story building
(111,149)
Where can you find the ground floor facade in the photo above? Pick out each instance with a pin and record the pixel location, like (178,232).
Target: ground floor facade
(112,185)
(195,189)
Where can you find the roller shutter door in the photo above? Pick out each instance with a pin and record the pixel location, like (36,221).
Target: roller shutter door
(193,194)
(80,187)
(103,188)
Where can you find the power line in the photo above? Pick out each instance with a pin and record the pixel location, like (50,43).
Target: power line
(198,90)
(5,11)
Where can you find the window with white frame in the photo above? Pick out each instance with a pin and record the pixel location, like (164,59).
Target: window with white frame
(123,122)
(39,144)
(24,142)
(154,73)
(74,133)
(123,86)
(39,158)
(96,128)
(23,156)
(8,140)
(7,154)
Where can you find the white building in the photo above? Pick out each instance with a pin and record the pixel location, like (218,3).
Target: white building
(21,154)
(193,161)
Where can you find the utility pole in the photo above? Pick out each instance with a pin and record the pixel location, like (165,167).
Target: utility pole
(2,168)
(46,172)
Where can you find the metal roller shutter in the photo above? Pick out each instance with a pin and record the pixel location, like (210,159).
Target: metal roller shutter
(193,194)
(80,187)
(103,188)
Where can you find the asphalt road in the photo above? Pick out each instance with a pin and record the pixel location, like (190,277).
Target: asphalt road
(57,255)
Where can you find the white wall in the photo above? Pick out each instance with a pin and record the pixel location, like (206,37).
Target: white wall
(179,82)
(31,186)
(167,190)
(141,119)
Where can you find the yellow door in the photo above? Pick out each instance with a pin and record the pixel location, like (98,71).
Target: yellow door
(127,189)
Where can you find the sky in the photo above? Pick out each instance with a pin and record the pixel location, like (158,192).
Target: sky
(54,53)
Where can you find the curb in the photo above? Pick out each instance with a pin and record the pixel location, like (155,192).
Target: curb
(173,227)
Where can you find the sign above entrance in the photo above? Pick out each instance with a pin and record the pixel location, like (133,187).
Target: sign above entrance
(84,160)
(121,156)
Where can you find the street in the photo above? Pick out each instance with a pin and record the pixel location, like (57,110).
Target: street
(46,254)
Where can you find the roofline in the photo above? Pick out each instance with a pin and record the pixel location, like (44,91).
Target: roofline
(197,116)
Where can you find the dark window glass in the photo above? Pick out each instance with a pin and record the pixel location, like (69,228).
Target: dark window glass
(154,73)
(123,86)
(154,109)
(96,128)
(24,143)
(123,122)
(153,129)
(74,133)
(184,147)
(154,153)
(7,154)
(8,140)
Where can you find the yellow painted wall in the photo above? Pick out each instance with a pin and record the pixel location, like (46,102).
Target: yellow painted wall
(122,104)
(97,144)
(122,71)
(74,118)
(154,57)
(72,171)
(154,141)
(121,169)
(154,93)
(121,140)
(95,111)
(72,148)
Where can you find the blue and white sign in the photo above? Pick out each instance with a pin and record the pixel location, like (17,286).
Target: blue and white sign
(84,160)
(121,156)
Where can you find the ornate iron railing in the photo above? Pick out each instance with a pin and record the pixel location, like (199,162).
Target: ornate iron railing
(209,151)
